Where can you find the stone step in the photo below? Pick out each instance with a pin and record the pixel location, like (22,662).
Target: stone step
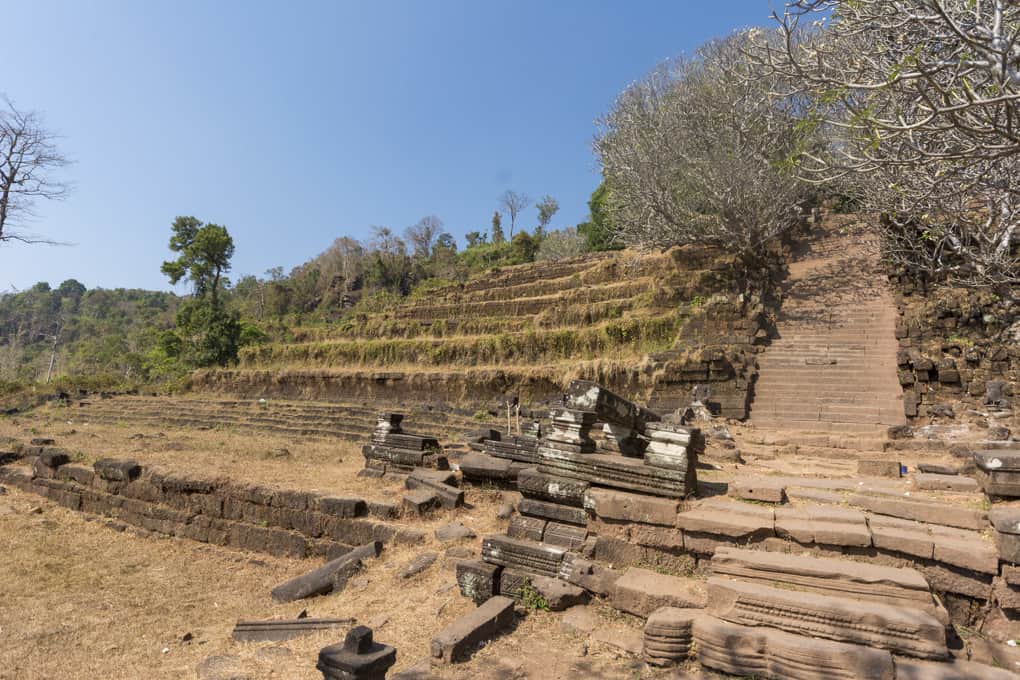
(819,426)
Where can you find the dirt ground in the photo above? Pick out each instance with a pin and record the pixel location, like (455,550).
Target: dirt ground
(79,599)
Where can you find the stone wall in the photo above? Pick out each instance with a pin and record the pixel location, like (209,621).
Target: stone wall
(276,521)
(959,353)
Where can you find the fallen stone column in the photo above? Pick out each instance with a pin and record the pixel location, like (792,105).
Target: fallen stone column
(275,630)
(457,641)
(323,580)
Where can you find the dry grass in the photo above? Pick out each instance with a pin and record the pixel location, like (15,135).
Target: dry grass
(79,600)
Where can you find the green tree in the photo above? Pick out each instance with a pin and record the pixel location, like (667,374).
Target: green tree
(497,228)
(475,238)
(206,333)
(598,232)
(205,252)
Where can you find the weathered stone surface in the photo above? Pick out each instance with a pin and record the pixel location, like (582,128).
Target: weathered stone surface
(478,580)
(921,511)
(931,482)
(117,469)
(1006,524)
(283,629)
(482,467)
(837,577)
(454,531)
(878,467)
(669,634)
(641,591)
(899,629)
(543,487)
(824,533)
(588,575)
(438,483)
(521,554)
(552,511)
(359,657)
(558,595)
(936,469)
(630,507)
(418,564)
(517,449)
(732,525)
(321,581)
(758,489)
(618,472)
(529,528)
(972,553)
(420,501)
(585,395)
(335,506)
(768,653)
(565,535)
(460,638)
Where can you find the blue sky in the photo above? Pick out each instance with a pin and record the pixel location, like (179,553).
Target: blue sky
(295,123)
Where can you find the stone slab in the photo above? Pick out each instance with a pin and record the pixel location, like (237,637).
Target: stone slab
(552,488)
(932,482)
(768,653)
(921,511)
(904,630)
(457,641)
(478,580)
(284,629)
(552,511)
(642,591)
(758,489)
(521,554)
(878,467)
(631,507)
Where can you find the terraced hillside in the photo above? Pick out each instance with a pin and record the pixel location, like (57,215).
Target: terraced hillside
(350,422)
(650,325)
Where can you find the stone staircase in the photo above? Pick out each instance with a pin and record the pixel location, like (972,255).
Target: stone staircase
(832,366)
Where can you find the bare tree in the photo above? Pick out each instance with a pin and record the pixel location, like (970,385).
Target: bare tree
(906,81)
(423,235)
(28,159)
(547,207)
(697,152)
(922,98)
(513,204)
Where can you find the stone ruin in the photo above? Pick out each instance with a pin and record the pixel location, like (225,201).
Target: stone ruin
(608,508)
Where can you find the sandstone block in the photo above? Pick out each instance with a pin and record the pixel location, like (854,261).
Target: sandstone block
(529,528)
(478,580)
(460,638)
(768,653)
(630,507)
(554,489)
(641,591)
(521,554)
(552,511)
(758,489)
(932,482)
(877,467)
(902,630)
(117,469)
